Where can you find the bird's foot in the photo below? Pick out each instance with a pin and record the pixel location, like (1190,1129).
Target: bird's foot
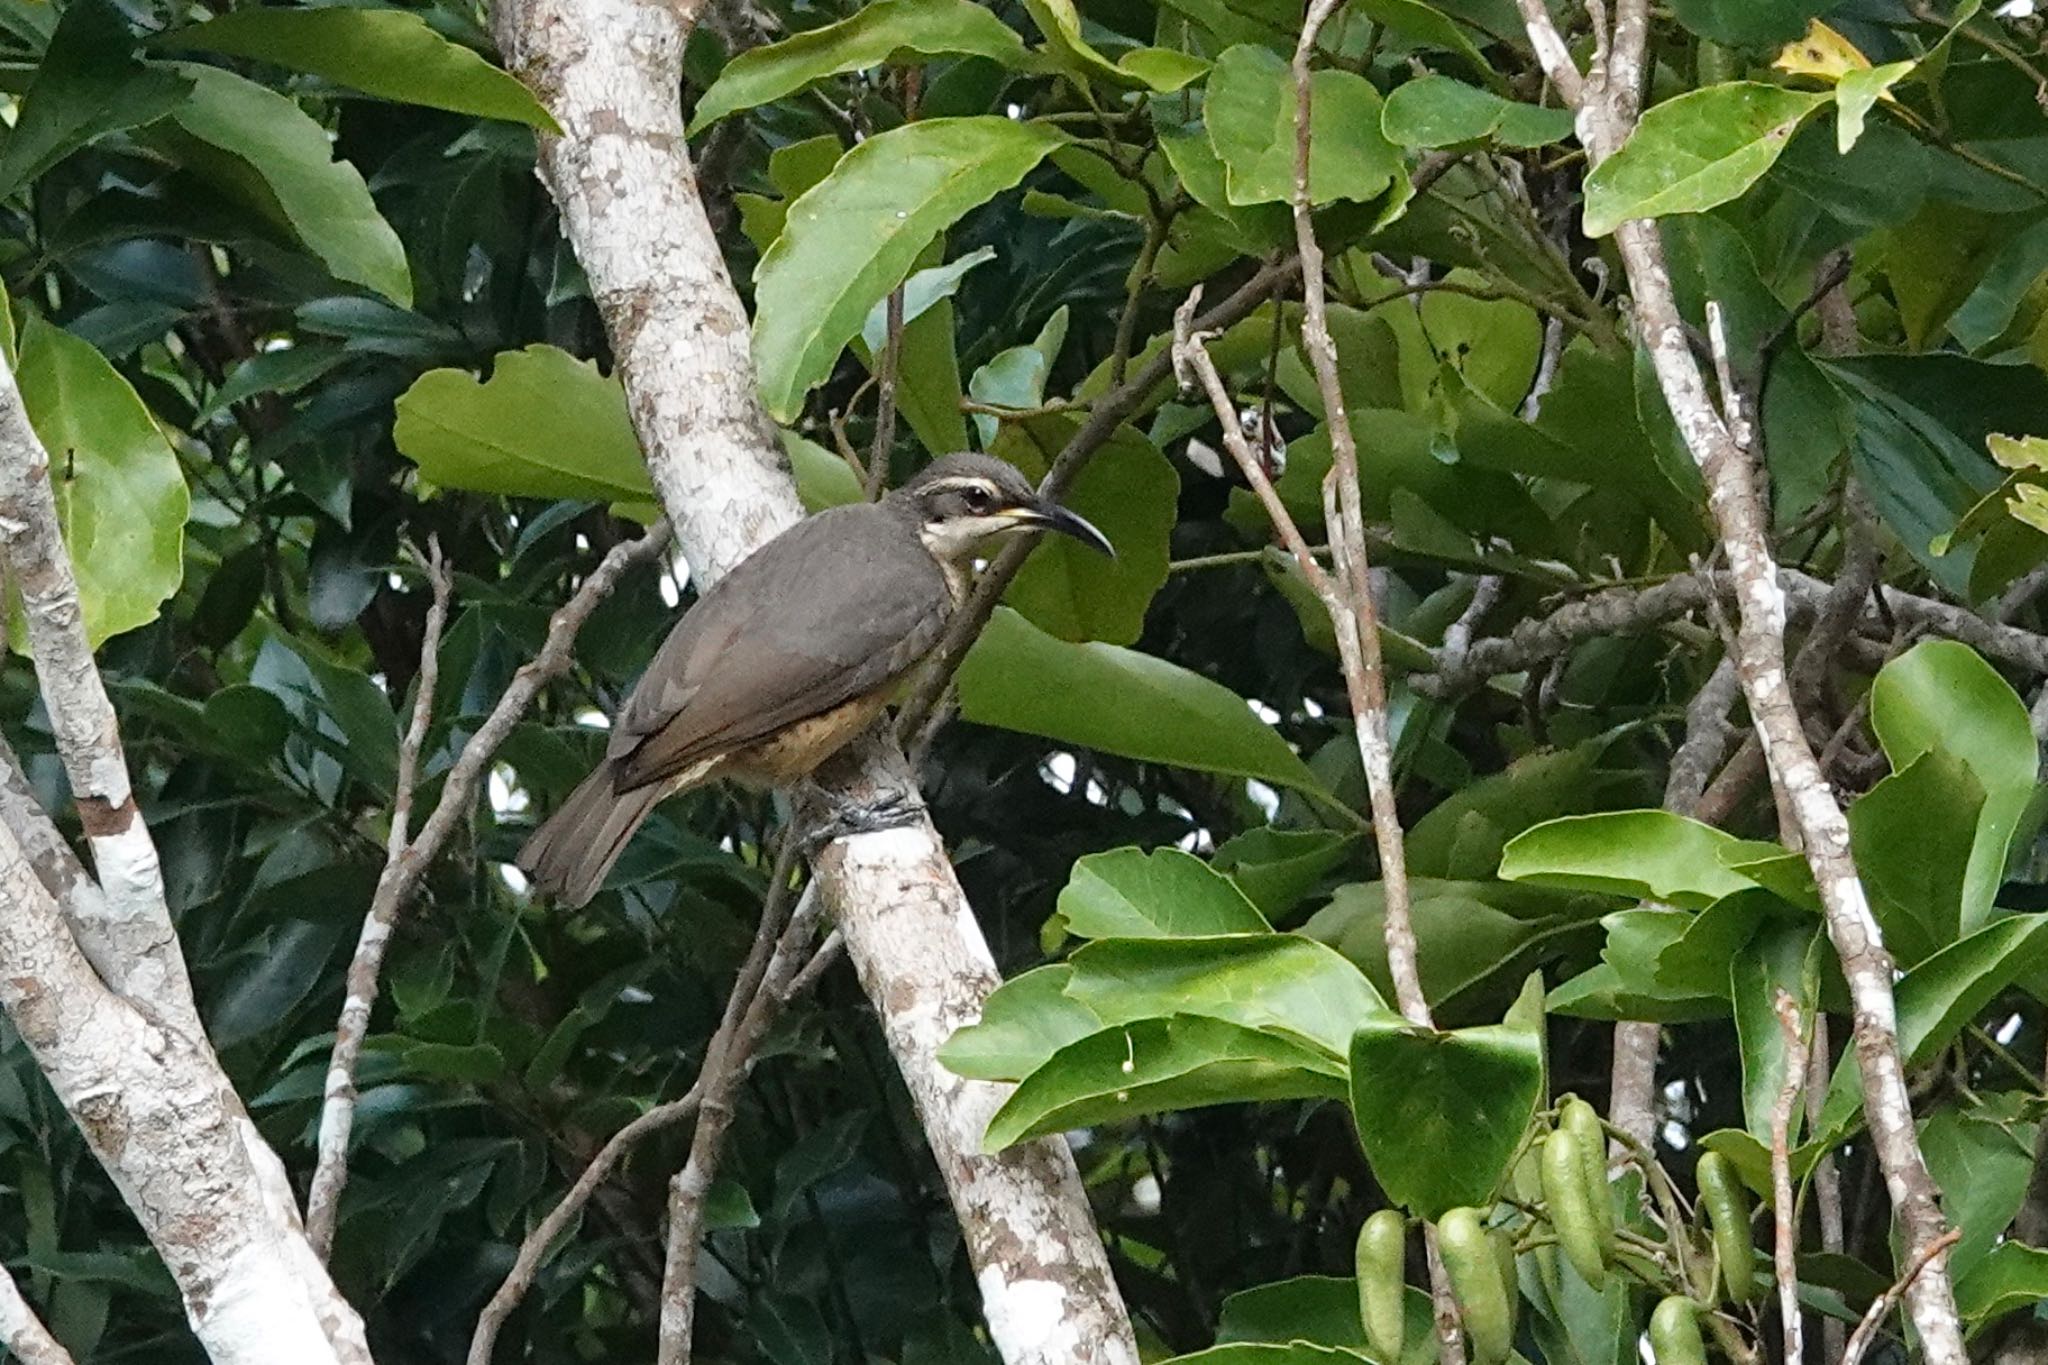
(825,815)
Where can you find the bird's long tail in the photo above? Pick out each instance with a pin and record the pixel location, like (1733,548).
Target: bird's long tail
(571,854)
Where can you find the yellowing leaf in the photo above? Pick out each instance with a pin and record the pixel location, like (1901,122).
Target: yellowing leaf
(1822,53)
(2019,452)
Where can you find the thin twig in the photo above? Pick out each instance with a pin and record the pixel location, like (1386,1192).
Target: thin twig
(402,871)
(1785,1250)
(1866,1330)
(886,367)
(727,1060)
(337,1113)
(1103,420)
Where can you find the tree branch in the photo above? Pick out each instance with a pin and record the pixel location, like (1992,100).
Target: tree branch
(1784,1213)
(23,1333)
(127,928)
(620,172)
(405,863)
(1604,119)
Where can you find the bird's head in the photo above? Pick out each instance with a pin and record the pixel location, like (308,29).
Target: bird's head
(963,502)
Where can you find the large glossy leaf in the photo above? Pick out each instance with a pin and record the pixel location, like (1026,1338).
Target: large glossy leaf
(1275,983)
(1023,1022)
(1652,854)
(2010,1278)
(1440,1113)
(121,496)
(1696,151)
(1250,114)
(88,83)
(262,151)
(1912,836)
(1156,1065)
(885,31)
(1436,111)
(1980,1157)
(391,53)
(855,235)
(1940,696)
(545,424)
(1629,983)
(1749,23)
(1127,893)
(1122,702)
(1271,1353)
(1463,836)
(1131,492)
(1784,957)
(1276,868)
(1429,26)
(1154,68)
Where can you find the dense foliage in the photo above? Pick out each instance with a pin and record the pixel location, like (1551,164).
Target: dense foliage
(288,301)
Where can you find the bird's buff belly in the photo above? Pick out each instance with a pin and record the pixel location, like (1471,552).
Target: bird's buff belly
(796,751)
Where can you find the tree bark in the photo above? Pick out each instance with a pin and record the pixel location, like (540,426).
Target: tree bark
(92,977)
(609,72)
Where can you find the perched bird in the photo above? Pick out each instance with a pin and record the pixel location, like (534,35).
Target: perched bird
(790,656)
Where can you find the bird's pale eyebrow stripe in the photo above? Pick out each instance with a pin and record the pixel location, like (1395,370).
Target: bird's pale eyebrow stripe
(960,485)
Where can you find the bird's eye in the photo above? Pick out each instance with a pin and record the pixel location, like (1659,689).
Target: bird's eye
(979,499)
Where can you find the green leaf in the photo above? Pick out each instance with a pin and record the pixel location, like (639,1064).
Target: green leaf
(1276,868)
(1156,1065)
(1946,991)
(1696,151)
(472,1063)
(121,496)
(389,53)
(1629,982)
(1912,836)
(1980,1158)
(1154,68)
(1272,1353)
(262,151)
(884,32)
(1940,695)
(855,235)
(1430,27)
(1023,1022)
(1436,111)
(1319,1308)
(1274,983)
(1128,893)
(2011,1278)
(1122,702)
(87,84)
(1463,836)
(1649,854)
(1015,377)
(544,425)
(1129,490)
(1855,95)
(921,292)
(1250,114)
(1784,957)
(1749,23)
(823,479)
(1440,1113)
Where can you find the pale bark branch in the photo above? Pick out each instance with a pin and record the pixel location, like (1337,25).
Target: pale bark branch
(22,1332)
(406,861)
(94,981)
(1604,117)
(1866,1331)
(609,71)
(126,929)
(1784,1212)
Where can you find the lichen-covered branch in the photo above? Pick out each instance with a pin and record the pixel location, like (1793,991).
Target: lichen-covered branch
(1604,107)
(23,1333)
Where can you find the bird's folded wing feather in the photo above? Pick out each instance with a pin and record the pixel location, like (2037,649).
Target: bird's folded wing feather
(837,607)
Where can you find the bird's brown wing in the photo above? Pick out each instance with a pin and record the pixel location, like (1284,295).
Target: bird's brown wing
(835,608)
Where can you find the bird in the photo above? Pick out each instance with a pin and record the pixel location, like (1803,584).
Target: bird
(786,659)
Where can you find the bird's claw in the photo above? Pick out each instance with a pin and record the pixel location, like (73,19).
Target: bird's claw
(829,816)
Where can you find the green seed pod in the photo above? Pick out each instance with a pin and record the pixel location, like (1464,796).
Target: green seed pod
(1583,1122)
(1473,1268)
(1382,1282)
(1675,1333)
(1529,1189)
(1571,1207)
(1504,1256)
(1726,1200)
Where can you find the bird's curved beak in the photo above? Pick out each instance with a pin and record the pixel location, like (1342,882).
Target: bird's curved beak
(1051,516)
